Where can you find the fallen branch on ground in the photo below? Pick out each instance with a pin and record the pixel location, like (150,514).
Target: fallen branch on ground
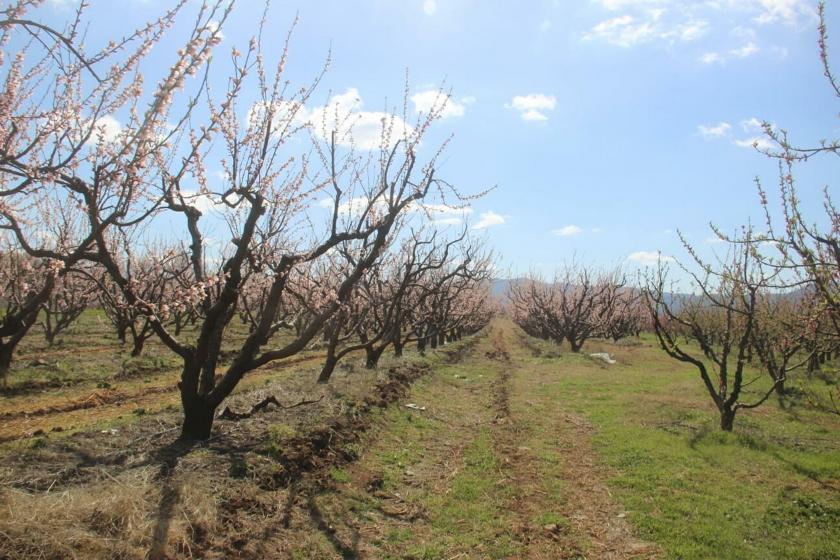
(230,414)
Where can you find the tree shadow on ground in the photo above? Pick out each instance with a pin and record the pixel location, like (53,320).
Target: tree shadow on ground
(807,473)
(699,435)
(170,493)
(348,551)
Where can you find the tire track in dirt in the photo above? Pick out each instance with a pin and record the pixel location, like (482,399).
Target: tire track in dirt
(593,514)
(528,499)
(596,525)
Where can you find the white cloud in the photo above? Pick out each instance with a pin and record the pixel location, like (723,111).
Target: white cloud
(714,131)
(433,99)
(648,258)
(488,219)
(743,52)
(363,129)
(437,214)
(691,30)
(213,27)
(755,142)
(757,139)
(615,5)
(752,125)
(646,26)
(711,58)
(533,107)
(348,207)
(443,214)
(106,129)
(203,202)
(430,7)
(790,12)
(568,231)
(444,209)
(628,23)
(781,52)
(447,221)
(742,32)
(713,240)
(343,113)
(284,114)
(622,31)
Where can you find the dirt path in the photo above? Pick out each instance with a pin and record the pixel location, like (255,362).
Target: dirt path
(535,529)
(472,455)
(545,441)
(492,467)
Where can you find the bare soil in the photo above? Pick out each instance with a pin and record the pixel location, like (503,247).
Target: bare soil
(308,481)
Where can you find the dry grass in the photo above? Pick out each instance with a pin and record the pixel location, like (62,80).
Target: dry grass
(134,492)
(520,452)
(92,521)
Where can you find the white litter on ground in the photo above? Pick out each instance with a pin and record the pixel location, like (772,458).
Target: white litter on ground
(603,356)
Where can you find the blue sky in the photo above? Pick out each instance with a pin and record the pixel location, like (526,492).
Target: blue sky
(606,124)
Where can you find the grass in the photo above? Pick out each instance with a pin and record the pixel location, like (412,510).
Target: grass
(440,489)
(454,480)
(472,514)
(767,490)
(770,489)
(87,361)
(339,475)
(89,355)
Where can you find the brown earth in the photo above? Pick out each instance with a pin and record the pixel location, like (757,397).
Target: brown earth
(307,481)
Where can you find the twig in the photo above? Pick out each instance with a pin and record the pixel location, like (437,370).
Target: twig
(230,414)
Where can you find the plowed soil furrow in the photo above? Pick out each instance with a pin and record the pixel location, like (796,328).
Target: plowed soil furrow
(474,460)
(446,496)
(59,412)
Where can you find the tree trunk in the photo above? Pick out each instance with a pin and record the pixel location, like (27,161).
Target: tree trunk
(813,363)
(398,348)
(6,351)
(372,356)
(139,341)
(121,332)
(328,368)
(727,419)
(198,419)
(780,388)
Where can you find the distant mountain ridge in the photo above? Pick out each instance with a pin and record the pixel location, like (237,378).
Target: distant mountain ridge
(499,288)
